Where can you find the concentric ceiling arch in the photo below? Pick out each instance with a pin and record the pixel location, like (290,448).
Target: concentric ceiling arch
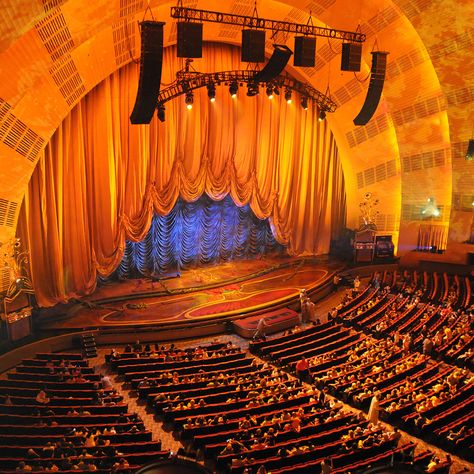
(53,52)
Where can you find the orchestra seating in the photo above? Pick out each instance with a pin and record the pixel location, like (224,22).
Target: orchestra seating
(364,349)
(243,411)
(78,423)
(241,414)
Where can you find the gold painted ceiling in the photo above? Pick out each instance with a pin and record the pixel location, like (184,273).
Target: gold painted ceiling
(53,52)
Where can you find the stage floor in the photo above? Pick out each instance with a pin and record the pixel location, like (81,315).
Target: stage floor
(224,290)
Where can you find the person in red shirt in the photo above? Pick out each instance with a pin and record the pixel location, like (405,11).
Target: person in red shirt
(302,369)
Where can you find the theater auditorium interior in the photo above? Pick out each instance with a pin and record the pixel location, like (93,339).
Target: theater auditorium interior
(237,237)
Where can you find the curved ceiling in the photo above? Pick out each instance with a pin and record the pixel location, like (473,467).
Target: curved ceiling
(52,52)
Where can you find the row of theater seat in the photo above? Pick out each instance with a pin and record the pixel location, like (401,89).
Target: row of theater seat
(221,393)
(454,412)
(40,435)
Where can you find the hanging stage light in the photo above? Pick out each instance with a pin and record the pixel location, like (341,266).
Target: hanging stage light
(189,99)
(161,112)
(269,91)
(322,115)
(211,92)
(252,89)
(304,103)
(233,88)
(288,96)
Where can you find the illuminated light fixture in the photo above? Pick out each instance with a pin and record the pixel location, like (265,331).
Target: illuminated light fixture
(189,99)
(431,209)
(211,92)
(161,113)
(233,88)
(270,92)
(276,91)
(322,115)
(304,103)
(288,96)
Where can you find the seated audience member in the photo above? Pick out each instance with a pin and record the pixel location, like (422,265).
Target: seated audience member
(433,464)
(106,382)
(326,466)
(42,398)
(23,467)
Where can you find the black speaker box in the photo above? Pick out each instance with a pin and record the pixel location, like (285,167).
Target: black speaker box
(189,40)
(377,78)
(151,61)
(305,51)
(470,258)
(279,59)
(253,46)
(351,56)
(470,149)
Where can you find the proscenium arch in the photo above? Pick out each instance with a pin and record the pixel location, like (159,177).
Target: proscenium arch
(53,52)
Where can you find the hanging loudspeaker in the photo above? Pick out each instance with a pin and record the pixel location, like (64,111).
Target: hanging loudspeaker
(351,56)
(470,149)
(253,46)
(305,51)
(189,40)
(280,57)
(377,78)
(151,61)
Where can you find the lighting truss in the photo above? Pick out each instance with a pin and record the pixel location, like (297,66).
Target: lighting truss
(194,15)
(187,81)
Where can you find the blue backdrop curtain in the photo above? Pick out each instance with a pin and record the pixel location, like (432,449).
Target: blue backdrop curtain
(198,233)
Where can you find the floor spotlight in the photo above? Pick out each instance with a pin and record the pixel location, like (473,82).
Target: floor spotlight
(288,96)
(233,88)
(304,103)
(189,99)
(322,115)
(211,92)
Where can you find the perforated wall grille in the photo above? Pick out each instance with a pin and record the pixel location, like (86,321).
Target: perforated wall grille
(54,34)
(123,34)
(7,212)
(452,44)
(129,7)
(413,8)
(68,80)
(420,109)
(49,5)
(15,134)
(425,160)
(463,202)
(458,151)
(460,96)
(362,134)
(414,212)
(376,174)
(5,280)
(406,62)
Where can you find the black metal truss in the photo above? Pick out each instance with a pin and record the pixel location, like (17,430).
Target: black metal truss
(194,15)
(188,81)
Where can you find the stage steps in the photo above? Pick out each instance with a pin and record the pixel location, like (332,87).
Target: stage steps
(89,347)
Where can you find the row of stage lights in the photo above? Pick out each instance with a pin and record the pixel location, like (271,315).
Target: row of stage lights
(271,91)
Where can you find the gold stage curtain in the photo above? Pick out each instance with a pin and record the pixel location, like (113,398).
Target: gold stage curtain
(100,179)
